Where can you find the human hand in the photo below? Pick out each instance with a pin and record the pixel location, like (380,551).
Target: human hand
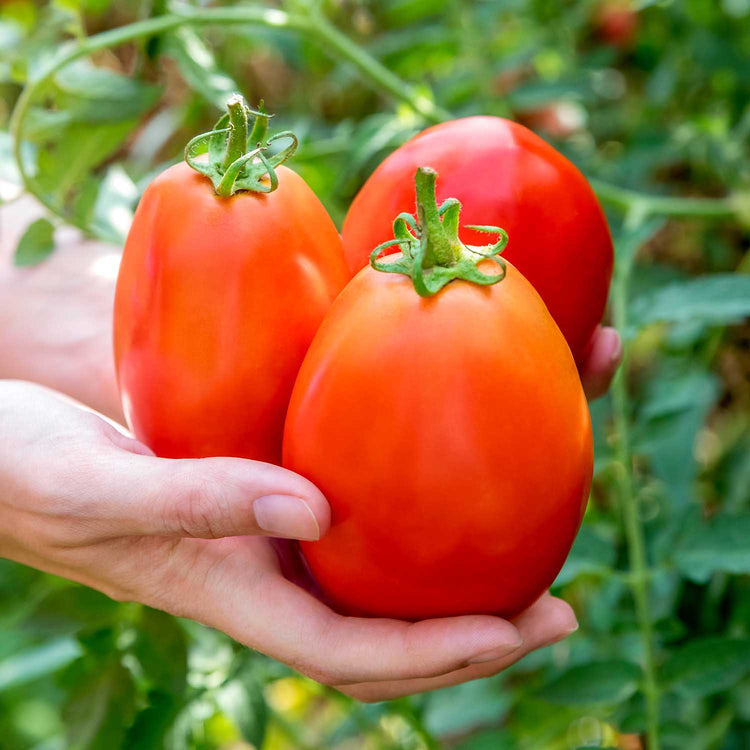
(56,317)
(84,501)
(601,363)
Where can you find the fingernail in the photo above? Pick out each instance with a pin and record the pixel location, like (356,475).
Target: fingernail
(286,516)
(561,636)
(496,653)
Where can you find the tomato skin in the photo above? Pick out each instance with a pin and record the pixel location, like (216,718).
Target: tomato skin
(616,23)
(504,175)
(452,440)
(217,301)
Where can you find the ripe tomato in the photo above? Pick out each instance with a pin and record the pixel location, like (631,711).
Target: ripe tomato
(452,439)
(217,301)
(503,174)
(616,23)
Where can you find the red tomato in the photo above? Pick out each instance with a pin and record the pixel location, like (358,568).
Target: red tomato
(452,439)
(502,174)
(217,301)
(616,23)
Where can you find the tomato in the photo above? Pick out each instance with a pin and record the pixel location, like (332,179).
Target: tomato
(217,301)
(451,437)
(503,174)
(616,23)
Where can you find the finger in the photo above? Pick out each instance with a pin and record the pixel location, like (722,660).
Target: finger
(602,362)
(547,621)
(271,614)
(208,498)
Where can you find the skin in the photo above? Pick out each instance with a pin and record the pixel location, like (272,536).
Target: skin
(214,312)
(455,432)
(503,175)
(88,530)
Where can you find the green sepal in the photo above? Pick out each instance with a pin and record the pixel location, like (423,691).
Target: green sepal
(452,260)
(243,165)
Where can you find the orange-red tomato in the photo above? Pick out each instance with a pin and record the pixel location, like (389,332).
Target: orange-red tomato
(217,302)
(452,439)
(503,174)
(616,23)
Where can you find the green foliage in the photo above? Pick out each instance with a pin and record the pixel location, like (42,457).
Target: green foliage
(36,243)
(657,121)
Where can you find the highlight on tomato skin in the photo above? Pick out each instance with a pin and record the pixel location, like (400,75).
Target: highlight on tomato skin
(449,433)
(505,175)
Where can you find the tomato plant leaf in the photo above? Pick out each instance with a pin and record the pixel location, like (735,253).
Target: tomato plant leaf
(70,609)
(161,648)
(593,551)
(718,299)
(34,662)
(100,707)
(718,546)
(606,683)
(198,66)
(36,243)
(242,700)
(706,666)
(153,723)
(93,94)
(459,709)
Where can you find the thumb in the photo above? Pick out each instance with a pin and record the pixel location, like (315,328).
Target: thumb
(211,498)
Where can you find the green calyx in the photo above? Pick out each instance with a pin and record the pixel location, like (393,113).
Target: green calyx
(238,160)
(432,253)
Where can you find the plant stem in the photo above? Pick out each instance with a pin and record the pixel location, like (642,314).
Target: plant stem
(442,249)
(319,29)
(639,573)
(314,26)
(237,140)
(664,205)
(378,74)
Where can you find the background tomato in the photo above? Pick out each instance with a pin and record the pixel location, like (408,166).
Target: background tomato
(217,301)
(452,439)
(503,174)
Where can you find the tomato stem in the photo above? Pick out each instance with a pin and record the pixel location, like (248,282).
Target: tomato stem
(433,255)
(230,165)
(260,127)
(237,137)
(443,246)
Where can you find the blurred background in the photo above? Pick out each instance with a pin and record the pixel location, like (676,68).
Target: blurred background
(652,101)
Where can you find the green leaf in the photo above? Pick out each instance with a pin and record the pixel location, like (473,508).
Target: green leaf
(95,95)
(718,299)
(100,708)
(161,648)
(707,666)
(593,551)
(71,609)
(458,709)
(242,701)
(199,68)
(10,179)
(151,725)
(719,546)
(629,240)
(38,661)
(494,739)
(598,683)
(113,206)
(36,243)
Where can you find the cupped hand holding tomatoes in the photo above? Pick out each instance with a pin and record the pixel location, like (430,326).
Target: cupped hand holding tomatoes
(447,428)
(219,294)
(503,174)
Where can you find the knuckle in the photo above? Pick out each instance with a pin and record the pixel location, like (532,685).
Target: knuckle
(196,506)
